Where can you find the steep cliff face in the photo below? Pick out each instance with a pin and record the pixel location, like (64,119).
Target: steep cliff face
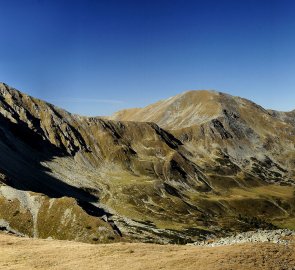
(208,164)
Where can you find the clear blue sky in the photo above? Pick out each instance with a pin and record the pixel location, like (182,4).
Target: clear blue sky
(96,57)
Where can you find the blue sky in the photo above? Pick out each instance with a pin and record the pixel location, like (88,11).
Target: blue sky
(96,57)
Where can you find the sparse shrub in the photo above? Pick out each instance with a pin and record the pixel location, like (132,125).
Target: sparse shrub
(16,213)
(256,223)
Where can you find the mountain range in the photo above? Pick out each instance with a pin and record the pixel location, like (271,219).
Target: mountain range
(196,165)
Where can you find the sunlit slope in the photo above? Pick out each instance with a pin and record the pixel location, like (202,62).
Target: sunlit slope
(189,108)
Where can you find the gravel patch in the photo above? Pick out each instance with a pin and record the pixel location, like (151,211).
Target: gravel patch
(281,236)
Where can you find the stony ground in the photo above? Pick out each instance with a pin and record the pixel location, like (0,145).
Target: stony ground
(24,253)
(282,236)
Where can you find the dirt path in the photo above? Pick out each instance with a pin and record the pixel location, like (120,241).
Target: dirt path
(23,253)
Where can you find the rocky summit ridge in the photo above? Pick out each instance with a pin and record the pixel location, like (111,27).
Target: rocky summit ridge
(197,164)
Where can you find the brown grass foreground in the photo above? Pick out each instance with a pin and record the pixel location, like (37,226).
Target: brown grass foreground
(25,253)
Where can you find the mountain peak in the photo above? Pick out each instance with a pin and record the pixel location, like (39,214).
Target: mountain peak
(183,110)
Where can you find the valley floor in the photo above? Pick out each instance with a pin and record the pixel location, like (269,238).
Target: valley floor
(24,253)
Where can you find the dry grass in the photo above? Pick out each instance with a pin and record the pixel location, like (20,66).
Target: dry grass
(23,253)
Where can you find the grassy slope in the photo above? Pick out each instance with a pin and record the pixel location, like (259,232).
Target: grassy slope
(24,253)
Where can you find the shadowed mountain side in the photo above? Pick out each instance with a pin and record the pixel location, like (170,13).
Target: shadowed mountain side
(22,152)
(49,122)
